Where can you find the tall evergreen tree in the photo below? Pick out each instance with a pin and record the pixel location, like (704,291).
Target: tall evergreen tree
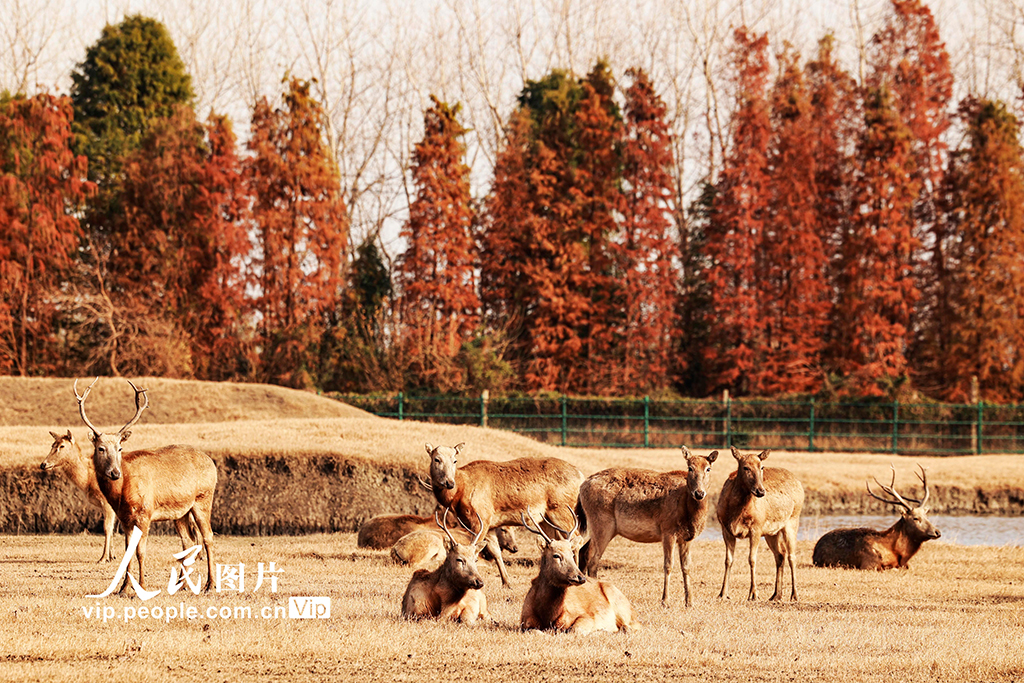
(438,302)
(301,233)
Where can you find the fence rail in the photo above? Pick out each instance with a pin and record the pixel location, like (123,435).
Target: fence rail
(907,428)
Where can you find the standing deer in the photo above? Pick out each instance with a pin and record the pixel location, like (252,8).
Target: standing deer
(145,486)
(888,549)
(646,507)
(561,598)
(452,591)
(497,492)
(66,456)
(758,502)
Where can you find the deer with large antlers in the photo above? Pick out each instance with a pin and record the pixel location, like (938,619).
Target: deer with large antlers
(888,549)
(496,492)
(647,507)
(760,502)
(452,591)
(145,486)
(561,598)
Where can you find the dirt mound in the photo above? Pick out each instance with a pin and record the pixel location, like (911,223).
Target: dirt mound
(36,401)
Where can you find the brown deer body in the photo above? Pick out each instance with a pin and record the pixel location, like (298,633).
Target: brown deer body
(66,456)
(144,486)
(427,546)
(561,598)
(452,591)
(761,502)
(646,507)
(888,549)
(497,492)
(384,531)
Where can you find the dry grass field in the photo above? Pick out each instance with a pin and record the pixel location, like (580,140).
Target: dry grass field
(957,614)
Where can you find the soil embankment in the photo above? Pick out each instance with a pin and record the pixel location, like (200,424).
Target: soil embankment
(288,494)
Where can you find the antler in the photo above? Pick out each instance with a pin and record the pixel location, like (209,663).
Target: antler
(567,534)
(924,481)
(539,531)
(891,490)
(425,484)
(81,404)
(444,524)
(138,408)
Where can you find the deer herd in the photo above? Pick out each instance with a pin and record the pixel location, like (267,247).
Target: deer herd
(575,518)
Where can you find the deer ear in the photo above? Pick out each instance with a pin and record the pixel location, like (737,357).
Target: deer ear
(686,451)
(479,547)
(459,447)
(764,454)
(125,435)
(56,436)
(736,453)
(430,449)
(71,437)
(712,456)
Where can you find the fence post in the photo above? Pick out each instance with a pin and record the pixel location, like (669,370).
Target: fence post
(647,421)
(728,418)
(976,428)
(565,429)
(400,405)
(981,411)
(485,396)
(895,425)
(810,432)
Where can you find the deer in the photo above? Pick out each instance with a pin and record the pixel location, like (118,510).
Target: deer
(144,486)
(891,548)
(452,592)
(561,598)
(757,502)
(646,507)
(427,546)
(496,492)
(384,531)
(66,456)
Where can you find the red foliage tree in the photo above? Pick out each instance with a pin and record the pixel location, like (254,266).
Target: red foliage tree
(794,290)
(176,263)
(877,287)
(648,248)
(986,210)
(301,233)
(438,301)
(736,226)
(42,184)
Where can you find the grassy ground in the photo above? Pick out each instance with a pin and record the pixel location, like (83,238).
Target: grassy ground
(955,615)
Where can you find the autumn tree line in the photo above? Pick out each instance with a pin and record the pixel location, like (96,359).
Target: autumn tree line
(859,236)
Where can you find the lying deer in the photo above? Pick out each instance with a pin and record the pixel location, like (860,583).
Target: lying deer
(452,591)
(384,531)
(146,486)
(497,492)
(757,502)
(66,456)
(888,549)
(427,546)
(561,598)
(646,507)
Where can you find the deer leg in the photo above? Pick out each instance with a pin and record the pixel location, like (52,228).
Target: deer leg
(777,544)
(730,548)
(109,519)
(668,542)
(128,568)
(182,527)
(201,514)
(600,537)
(755,541)
(790,545)
(684,565)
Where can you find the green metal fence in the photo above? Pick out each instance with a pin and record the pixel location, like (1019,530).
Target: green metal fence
(908,428)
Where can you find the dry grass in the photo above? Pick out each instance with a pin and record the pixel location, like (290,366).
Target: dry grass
(955,616)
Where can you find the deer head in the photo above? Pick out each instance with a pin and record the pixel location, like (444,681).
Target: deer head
(557,563)
(62,452)
(443,461)
(750,471)
(107,447)
(698,472)
(913,511)
(460,562)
